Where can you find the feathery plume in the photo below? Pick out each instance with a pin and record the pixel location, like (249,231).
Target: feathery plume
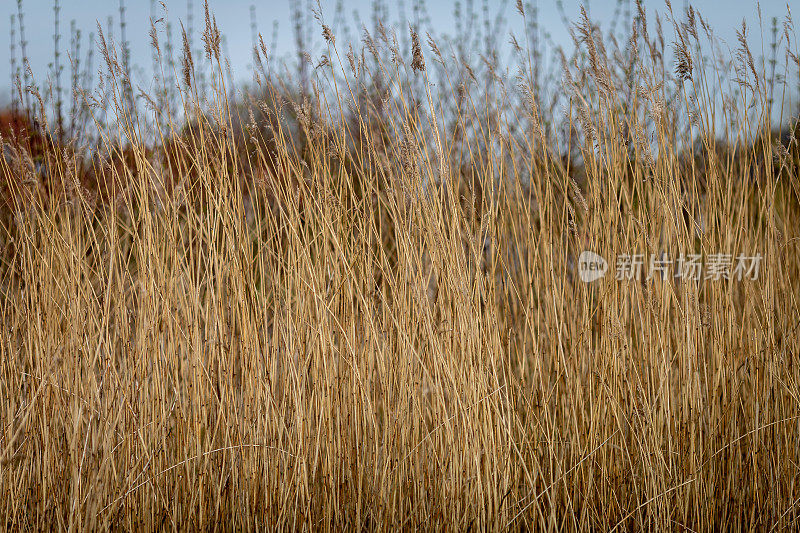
(211,35)
(187,62)
(328,35)
(417,61)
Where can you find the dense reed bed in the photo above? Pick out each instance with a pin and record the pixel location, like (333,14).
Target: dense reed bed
(353,298)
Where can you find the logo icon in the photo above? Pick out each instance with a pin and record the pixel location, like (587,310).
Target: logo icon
(591,266)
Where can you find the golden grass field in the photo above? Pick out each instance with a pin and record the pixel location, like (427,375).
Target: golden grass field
(357,304)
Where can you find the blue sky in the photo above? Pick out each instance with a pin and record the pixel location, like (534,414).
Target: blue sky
(233,17)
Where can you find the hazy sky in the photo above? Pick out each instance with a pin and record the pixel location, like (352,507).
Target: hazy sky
(233,17)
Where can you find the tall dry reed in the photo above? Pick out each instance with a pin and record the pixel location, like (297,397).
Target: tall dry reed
(355,302)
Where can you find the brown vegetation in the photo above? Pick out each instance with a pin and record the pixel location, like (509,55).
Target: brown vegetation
(357,304)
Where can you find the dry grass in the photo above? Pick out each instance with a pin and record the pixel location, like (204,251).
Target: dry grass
(375,321)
